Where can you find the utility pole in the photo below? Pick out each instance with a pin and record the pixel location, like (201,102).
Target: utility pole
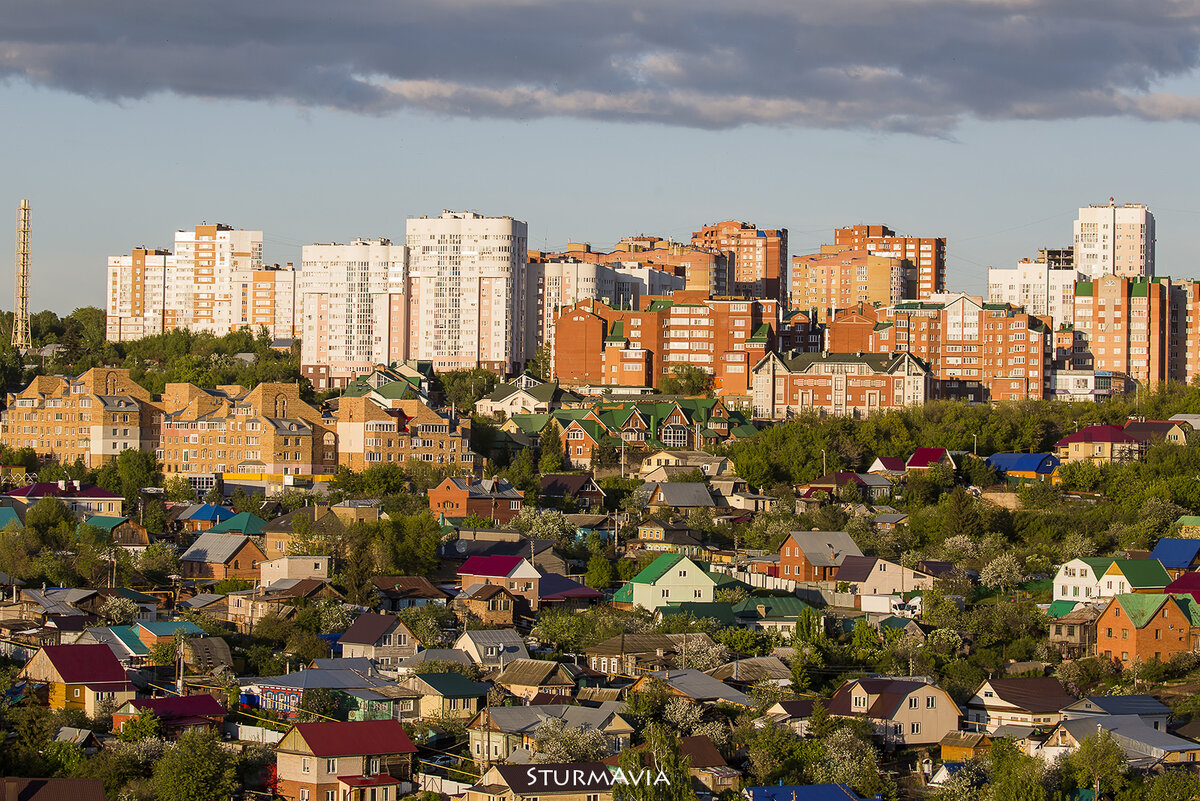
(20,329)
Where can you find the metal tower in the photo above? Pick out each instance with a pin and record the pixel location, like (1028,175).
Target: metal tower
(20,331)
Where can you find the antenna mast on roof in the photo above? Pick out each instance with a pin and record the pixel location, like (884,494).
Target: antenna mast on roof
(20,329)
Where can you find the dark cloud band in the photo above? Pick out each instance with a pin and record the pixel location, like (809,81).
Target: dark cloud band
(906,65)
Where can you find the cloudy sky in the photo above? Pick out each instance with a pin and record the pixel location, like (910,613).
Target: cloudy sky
(986,122)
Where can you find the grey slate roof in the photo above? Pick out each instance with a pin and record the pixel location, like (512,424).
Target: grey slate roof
(201,600)
(826,548)
(522,719)
(214,548)
(1118,705)
(331,679)
(748,671)
(531,673)
(700,686)
(1136,737)
(434,655)
(508,643)
(684,494)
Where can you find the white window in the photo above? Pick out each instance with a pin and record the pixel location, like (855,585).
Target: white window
(914,728)
(304,793)
(860,702)
(931,702)
(304,765)
(331,766)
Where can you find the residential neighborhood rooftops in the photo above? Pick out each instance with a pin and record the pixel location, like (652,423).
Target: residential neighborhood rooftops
(214,548)
(368,628)
(1036,694)
(357,738)
(1176,554)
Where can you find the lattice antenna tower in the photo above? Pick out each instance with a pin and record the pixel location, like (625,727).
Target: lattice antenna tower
(20,331)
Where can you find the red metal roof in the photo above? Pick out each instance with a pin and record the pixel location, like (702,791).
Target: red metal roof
(926,457)
(175,707)
(1098,434)
(355,738)
(41,489)
(494,566)
(85,664)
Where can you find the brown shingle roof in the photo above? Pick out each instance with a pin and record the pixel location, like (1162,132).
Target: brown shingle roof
(1036,694)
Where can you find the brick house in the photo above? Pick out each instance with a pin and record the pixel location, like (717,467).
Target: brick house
(324,761)
(491,498)
(515,573)
(222,556)
(1140,627)
(815,555)
(384,639)
(490,603)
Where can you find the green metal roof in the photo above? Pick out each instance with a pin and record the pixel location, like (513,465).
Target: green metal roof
(617,334)
(1189,520)
(104,522)
(660,305)
(656,569)
(1141,607)
(166,628)
(1139,289)
(1083,289)
(625,594)
(241,523)
(454,685)
(129,638)
(773,608)
(1060,608)
(716,610)
(1143,573)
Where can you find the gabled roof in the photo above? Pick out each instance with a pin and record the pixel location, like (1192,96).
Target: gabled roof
(454,685)
(1142,607)
(178,707)
(208,511)
(491,566)
(487,488)
(1098,433)
(42,489)
(783,607)
(684,494)
(1041,463)
(889,695)
(558,485)
(700,686)
(855,568)
(1142,573)
(657,569)
(748,671)
(408,587)
(1149,430)
(556,587)
(1176,554)
(1120,705)
(355,738)
(368,628)
(825,548)
(577,778)
(85,664)
(103,522)
(532,673)
(1036,694)
(214,549)
(242,523)
(927,457)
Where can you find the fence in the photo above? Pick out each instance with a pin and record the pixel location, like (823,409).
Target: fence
(18,652)
(252,734)
(438,784)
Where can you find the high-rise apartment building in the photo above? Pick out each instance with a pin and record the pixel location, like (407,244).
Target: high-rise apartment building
(703,269)
(467,282)
(1042,288)
(758,257)
(1122,327)
(925,276)
(556,284)
(355,309)
(1115,240)
(215,281)
(840,277)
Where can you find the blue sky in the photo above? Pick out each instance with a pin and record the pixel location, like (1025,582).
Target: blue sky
(997,156)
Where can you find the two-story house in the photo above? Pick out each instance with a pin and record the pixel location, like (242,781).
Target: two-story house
(815,555)
(492,648)
(497,731)
(79,677)
(222,556)
(490,498)
(330,761)
(1140,627)
(525,678)
(1036,702)
(671,578)
(633,654)
(446,695)
(490,604)
(904,712)
(1095,577)
(514,573)
(872,575)
(384,639)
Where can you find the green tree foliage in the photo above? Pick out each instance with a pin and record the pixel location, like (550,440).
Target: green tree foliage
(463,388)
(119,610)
(687,380)
(1099,763)
(144,724)
(319,704)
(128,474)
(178,488)
(158,562)
(663,754)
(551,449)
(195,768)
(600,572)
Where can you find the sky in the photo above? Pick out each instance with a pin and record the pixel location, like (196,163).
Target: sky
(989,123)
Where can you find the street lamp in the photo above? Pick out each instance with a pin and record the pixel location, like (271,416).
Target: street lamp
(975,449)
(824,466)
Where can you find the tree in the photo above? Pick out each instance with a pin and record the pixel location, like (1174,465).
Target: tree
(119,610)
(1003,573)
(540,364)
(686,380)
(551,448)
(665,758)
(145,724)
(1015,775)
(318,704)
(178,488)
(600,572)
(555,742)
(1174,785)
(196,768)
(154,516)
(158,562)
(1099,762)
(849,760)
(126,475)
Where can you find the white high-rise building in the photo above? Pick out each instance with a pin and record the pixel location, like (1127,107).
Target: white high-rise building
(1115,240)
(1044,290)
(215,282)
(555,285)
(467,302)
(355,309)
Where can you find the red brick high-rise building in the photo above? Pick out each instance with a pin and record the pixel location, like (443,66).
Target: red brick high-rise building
(757,257)
(926,276)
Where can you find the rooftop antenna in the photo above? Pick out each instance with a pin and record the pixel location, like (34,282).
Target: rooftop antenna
(20,331)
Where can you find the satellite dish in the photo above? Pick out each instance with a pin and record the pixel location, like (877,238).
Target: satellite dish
(460,546)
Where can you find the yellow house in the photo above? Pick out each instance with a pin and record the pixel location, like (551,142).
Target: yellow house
(79,677)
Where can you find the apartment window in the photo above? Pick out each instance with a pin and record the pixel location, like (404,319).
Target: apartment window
(331,795)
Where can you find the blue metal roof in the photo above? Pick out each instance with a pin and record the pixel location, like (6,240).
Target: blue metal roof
(1176,554)
(1043,463)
